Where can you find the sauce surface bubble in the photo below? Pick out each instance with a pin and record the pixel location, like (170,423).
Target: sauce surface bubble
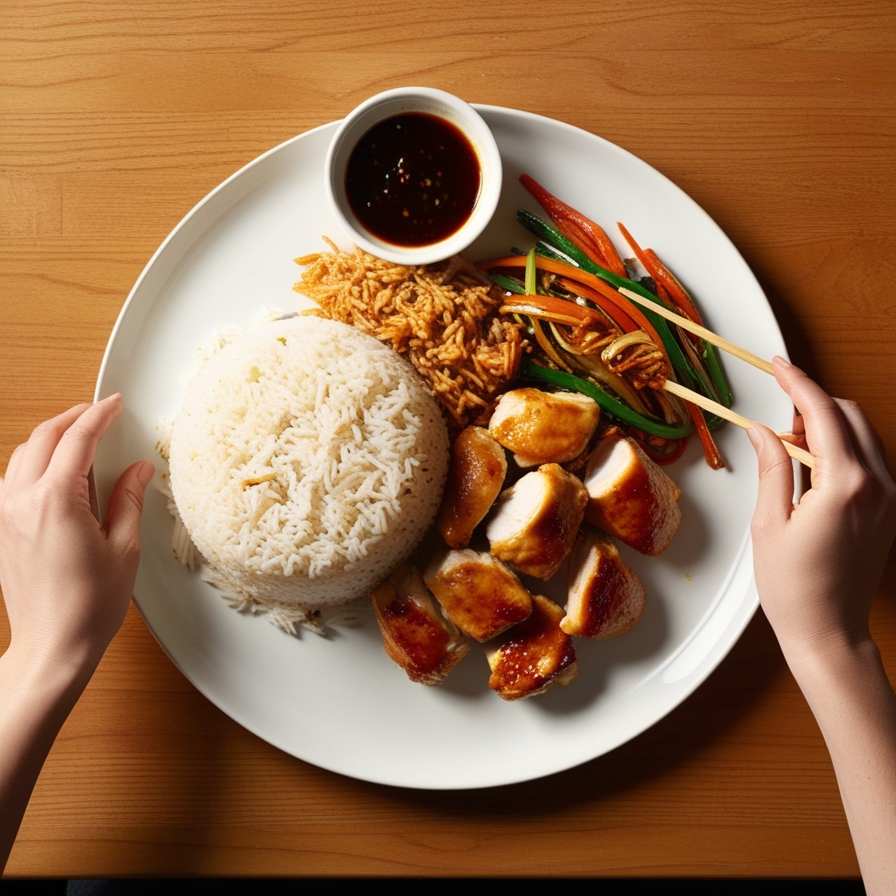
(413,179)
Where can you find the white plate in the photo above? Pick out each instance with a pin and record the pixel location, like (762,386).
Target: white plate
(341,703)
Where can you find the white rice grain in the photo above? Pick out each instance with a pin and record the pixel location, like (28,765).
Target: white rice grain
(306,462)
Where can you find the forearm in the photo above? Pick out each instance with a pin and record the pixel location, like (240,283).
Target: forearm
(66,582)
(855,707)
(36,697)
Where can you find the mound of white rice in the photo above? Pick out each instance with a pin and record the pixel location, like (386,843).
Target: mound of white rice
(306,462)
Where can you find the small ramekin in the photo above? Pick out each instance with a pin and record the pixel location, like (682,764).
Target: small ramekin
(400,101)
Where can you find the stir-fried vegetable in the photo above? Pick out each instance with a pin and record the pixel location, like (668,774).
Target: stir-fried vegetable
(594,340)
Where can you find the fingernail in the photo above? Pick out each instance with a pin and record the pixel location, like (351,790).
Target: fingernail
(783,361)
(144,474)
(753,436)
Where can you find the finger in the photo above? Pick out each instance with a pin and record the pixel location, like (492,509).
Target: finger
(77,446)
(774,501)
(13,463)
(122,523)
(826,433)
(868,445)
(30,461)
(795,438)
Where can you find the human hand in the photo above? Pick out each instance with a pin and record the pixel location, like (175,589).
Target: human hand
(66,579)
(817,563)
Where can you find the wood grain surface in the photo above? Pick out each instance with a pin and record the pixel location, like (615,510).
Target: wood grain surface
(777,116)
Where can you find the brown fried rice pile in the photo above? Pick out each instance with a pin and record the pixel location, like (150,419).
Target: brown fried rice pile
(442,318)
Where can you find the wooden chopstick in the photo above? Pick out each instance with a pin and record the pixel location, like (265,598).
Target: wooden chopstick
(708,335)
(702,401)
(720,410)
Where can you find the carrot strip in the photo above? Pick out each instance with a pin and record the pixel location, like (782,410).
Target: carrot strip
(590,234)
(668,288)
(534,311)
(581,239)
(574,314)
(648,259)
(639,252)
(580,276)
(661,291)
(676,291)
(618,316)
(615,264)
(710,449)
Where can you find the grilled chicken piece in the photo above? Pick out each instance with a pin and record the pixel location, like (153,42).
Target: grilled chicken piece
(478,592)
(475,476)
(605,598)
(631,497)
(533,655)
(544,427)
(415,634)
(535,521)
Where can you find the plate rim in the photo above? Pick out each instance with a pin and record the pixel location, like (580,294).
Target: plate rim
(745,610)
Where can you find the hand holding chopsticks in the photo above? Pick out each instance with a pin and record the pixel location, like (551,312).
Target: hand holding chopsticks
(720,410)
(799,454)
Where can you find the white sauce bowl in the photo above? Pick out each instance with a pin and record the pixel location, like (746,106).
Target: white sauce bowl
(402,101)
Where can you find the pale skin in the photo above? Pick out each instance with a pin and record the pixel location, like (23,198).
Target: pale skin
(817,568)
(66,582)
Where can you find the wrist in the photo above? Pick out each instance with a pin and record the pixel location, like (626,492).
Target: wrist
(844,665)
(52,677)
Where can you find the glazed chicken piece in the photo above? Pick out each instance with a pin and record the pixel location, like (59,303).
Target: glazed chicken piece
(630,496)
(478,592)
(544,427)
(535,521)
(605,598)
(533,655)
(475,475)
(415,634)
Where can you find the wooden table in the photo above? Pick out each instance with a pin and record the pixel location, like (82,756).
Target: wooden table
(777,116)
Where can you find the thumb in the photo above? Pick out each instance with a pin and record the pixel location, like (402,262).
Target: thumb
(125,509)
(774,502)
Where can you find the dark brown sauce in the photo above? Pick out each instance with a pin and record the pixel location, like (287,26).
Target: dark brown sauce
(413,179)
